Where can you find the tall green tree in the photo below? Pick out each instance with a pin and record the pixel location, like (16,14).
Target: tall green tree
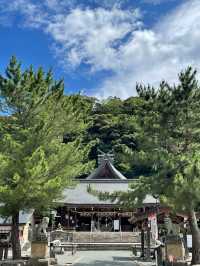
(35,166)
(171,140)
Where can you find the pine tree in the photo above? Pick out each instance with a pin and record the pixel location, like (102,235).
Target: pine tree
(172,141)
(35,166)
(169,140)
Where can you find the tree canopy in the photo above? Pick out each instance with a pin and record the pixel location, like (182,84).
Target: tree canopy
(35,164)
(169,141)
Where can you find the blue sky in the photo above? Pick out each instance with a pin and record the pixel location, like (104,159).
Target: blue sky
(102,47)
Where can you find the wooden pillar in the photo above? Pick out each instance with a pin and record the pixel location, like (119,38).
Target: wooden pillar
(1,251)
(75,219)
(148,242)
(98,225)
(92,222)
(120,220)
(142,243)
(68,224)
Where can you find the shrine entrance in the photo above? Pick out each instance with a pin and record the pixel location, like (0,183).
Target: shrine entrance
(106,224)
(83,211)
(94,219)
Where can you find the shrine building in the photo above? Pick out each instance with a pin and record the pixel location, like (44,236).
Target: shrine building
(82,211)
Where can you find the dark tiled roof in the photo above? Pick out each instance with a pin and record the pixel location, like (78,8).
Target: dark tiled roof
(106,170)
(106,178)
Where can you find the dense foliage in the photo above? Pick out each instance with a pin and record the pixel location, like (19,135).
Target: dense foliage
(169,146)
(113,127)
(172,130)
(35,165)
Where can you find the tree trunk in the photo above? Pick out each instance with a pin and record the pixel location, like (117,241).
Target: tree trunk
(15,241)
(195,238)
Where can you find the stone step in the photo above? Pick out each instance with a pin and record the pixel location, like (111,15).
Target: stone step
(102,246)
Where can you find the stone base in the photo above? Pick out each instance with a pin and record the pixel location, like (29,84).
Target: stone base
(12,262)
(41,262)
(176,263)
(39,250)
(30,262)
(174,249)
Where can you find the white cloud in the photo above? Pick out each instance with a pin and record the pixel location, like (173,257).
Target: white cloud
(114,39)
(32,14)
(90,36)
(160,53)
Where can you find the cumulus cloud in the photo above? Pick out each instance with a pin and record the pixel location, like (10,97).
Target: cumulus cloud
(114,39)
(91,36)
(32,14)
(159,53)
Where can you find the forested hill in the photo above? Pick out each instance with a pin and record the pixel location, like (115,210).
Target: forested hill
(114,125)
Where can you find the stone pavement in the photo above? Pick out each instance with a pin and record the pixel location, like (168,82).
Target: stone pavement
(101,258)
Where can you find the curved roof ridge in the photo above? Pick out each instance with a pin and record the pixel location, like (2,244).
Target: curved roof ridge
(106,168)
(121,176)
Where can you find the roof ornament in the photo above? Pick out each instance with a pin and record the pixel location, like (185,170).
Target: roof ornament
(106,169)
(102,156)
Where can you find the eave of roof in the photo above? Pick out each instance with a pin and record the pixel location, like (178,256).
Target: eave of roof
(80,194)
(113,181)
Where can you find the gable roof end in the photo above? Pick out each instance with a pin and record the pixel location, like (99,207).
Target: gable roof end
(106,170)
